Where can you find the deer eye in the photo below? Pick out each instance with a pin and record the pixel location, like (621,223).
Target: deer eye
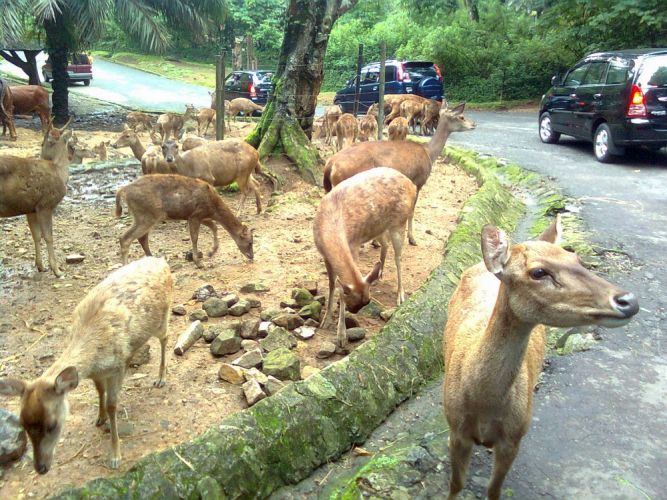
(538,273)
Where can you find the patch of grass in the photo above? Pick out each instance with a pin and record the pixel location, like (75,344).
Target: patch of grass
(502,105)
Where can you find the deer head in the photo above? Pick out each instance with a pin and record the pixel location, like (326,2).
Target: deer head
(126,138)
(170,151)
(454,117)
(54,143)
(357,295)
(44,409)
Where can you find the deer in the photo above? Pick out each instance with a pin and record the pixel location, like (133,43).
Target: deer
(368,125)
(28,99)
(494,340)
(138,120)
(220,163)
(412,159)
(430,115)
(375,204)
(394,102)
(7,110)
(34,188)
(242,105)
(101,150)
(413,112)
(347,130)
(170,124)
(109,325)
(204,119)
(398,129)
(153,198)
(331,116)
(150,158)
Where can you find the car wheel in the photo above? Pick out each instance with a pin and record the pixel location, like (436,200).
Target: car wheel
(603,145)
(547,134)
(86,82)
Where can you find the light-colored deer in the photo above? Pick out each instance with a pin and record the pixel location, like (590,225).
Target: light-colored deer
(347,130)
(412,159)
(331,116)
(113,320)
(34,187)
(138,120)
(151,158)
(205,117)
(398,129)
(153,198)
(375,204)
(170,124)
(242,105)
(494,353)
(368,125)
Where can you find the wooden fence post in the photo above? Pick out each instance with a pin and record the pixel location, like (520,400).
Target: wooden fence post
(220,97)
(380,117)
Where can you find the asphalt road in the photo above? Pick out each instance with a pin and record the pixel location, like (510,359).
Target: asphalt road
(132,88)
(599,428)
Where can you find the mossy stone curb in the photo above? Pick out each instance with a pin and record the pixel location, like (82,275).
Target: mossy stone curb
(282,439)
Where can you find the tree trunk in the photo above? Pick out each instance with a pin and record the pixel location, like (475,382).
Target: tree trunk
(58,47)
(286,123)
(29,66)
(473,13)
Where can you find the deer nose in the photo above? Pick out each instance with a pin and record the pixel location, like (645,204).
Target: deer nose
(626,303)
(42,469)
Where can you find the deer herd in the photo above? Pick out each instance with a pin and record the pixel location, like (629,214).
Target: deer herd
(493,339)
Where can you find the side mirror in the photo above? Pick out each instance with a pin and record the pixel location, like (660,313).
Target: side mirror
(348,83)
(555,80)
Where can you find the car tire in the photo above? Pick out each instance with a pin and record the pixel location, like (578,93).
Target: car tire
(86,82)
(547,135)
(603,145)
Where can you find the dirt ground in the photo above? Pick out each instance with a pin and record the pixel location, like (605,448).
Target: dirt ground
(35,307)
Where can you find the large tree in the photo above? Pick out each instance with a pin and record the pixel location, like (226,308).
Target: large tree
(72,24)
(286,123)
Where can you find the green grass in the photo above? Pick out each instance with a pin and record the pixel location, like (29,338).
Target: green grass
(501,105)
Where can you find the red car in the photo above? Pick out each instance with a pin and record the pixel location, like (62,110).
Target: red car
(80,69)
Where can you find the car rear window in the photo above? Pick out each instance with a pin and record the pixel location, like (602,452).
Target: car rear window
(419,70)
(653,72)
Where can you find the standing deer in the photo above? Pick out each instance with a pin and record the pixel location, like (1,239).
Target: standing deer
(412,159)
(494,353)
(170,124)
(368,125)
(398,129)
(347,130)
(7,110)
(151,158)
(371,205)
(34,187)
(331,116)
(109,325)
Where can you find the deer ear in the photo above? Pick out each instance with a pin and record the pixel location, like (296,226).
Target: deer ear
(458,109)
(373,276)
(67,380)
(553,233)
(495,249)
(12,386)
(346,289)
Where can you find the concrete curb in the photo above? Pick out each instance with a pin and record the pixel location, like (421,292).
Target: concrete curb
(283,438)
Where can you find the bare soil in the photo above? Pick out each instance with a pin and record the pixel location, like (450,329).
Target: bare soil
(35,307)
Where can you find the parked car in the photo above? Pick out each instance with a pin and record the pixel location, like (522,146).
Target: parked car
(79,69)
(614,99)
(254,85)
(422,78)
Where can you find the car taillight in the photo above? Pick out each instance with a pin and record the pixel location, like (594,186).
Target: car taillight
(637,104)
(437,71)
(252,90)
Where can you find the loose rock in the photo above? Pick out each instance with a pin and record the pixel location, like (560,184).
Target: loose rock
(372,310)
(282,364)
(250,329)
(254,303)
(288,320)
(74,258)
(313,323)
(253,392)
(387,313)
(13,440)
(198,315)
(254,288)
(351,321)
(307,371)
(249,345)
(204,292)
(230,299)
(327,349)
(269,314)
(188,337)
(179,310)
(311,311)
(305,332)
(240,308)
(274,385)
(232,374)
(302,296)
(215,307)
(141,356)
(211,333)
(227,342)
(354,334)
(320,298)
(291,303)
(263,328)
(252,359)
(277,338)
(255,374)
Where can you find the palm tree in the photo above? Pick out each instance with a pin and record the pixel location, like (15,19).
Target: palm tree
(70,24)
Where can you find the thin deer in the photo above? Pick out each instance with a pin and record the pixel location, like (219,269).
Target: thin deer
(494,340)
(151,158)
(410,158)
(113,320)
(375,204)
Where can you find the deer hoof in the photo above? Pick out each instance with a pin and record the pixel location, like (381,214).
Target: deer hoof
(412,242)
(100,421)
(158,383)
(114,463)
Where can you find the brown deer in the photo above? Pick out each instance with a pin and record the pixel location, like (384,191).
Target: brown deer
(28,99)
(430,115)
(375,204)
(347,130)
(242,105)
(368,126)
(205,117)
(34,187)
(331,116)
(412,159)
(494,353)
(101,150)
(398,129)
(137,120)
(7,110)
(220,163)
(170,124)
(394,102)
(151,158)
(154,198)
(413,112)
(113,320)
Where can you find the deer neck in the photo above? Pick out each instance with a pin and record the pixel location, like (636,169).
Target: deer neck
(224,215)
(439,139)
(138,149)
(340,257)
(500,352)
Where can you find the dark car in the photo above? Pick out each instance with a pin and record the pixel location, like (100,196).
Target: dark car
(421,78)
(254,85)
(79,69)
(614,99)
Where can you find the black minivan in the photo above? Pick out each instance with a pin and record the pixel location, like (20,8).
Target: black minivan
(614,99)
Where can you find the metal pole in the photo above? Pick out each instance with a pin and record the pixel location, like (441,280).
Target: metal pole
(380,117)
(360,59)
(220,97)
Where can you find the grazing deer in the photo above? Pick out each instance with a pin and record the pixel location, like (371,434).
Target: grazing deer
(154,198)
(368,126)
(101,150)
(346,130)
(109,325)
(242,105)
(375,204)
(170,124)
(331,116)
(412,159)
(394,102)
(494,353)
(398,129)
(34,187)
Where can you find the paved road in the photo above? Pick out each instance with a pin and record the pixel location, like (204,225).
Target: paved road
(132,88)
(600,423)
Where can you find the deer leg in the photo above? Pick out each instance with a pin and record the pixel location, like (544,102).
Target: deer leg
(113,388)
(254,185)
(36,232)
(45,219)
(384,245)
(214,229)
(102,411)
(411,237)
(193,225)
(397,243)
(163,359)
(341,331)
(139,228)
(460,450)
(143,241)
(504,453)
(332,283)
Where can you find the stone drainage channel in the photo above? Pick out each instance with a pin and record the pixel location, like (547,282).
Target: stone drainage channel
(282,439)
